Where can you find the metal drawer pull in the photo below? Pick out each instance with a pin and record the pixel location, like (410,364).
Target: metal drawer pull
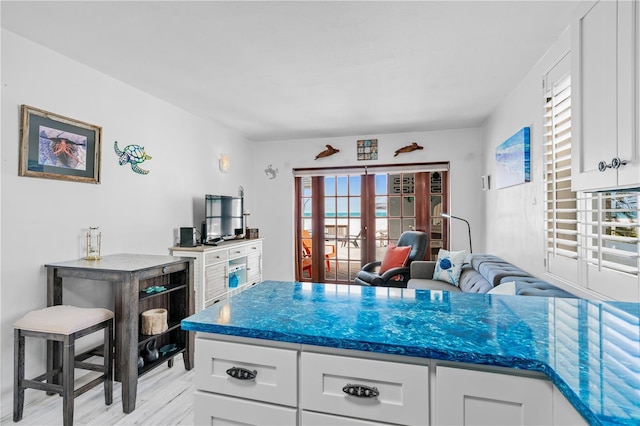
(242,373)
(602,166)
(361,391)
(616,162)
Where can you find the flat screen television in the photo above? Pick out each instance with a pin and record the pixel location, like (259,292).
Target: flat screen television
(222,216)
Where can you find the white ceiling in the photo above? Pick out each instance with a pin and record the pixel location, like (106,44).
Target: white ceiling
(304,69)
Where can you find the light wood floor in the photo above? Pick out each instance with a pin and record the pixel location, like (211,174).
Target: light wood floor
(165,397)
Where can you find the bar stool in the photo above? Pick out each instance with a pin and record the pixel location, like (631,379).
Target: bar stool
(61,325)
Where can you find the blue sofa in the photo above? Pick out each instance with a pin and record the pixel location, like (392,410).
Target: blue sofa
(484,273)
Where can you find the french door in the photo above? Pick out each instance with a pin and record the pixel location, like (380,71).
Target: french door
(347,217)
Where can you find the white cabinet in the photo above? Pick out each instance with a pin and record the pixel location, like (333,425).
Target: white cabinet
(240,384)
(291,384)
(219,270)
(211,409)
(469,397)
(564,414)
(367,389)
(309,418)
(604,75)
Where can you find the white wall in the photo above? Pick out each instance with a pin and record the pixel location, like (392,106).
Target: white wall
(514,218)
(43,220)
(275,197)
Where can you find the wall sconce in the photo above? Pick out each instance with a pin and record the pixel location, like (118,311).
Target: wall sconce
(94,242)
(224,163)
(448,216)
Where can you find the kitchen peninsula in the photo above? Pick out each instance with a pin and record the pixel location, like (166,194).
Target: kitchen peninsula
(403,356)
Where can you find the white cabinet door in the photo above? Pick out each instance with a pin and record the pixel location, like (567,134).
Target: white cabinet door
(254,268)
(594,95)
(469,397)
(629,92)
(564,414)
(604,87)
(215,282)
(213,410)
(254,262)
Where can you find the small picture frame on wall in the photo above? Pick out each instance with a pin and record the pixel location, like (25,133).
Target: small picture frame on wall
(56,147)
(367,149)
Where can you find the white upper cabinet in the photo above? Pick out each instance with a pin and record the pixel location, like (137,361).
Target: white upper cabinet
(604,90)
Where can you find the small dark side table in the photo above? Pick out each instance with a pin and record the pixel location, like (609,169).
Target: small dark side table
(131,274)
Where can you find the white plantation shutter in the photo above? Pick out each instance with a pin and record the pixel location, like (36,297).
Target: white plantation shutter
(610,230)
(561,209)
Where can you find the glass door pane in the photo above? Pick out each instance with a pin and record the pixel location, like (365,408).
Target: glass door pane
(306,211)
(437,235)
(342,224)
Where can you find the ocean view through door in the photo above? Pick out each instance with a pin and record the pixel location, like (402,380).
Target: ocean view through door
(347,218)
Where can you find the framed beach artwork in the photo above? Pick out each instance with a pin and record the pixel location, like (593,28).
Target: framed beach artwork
(56,147)
(513,163)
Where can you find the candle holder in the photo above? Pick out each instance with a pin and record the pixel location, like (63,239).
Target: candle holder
(94,242)
(246,215)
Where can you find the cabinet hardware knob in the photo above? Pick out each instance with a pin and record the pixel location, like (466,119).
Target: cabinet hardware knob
(165,270)
(616,162)
(242,373)
(361,391)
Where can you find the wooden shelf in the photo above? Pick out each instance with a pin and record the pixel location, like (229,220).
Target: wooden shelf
(170,288)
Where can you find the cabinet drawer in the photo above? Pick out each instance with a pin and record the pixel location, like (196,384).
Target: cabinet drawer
(237,252)
(210,409)
(317,419)
(216,256)
(403,388)
(276,377)
(254,247)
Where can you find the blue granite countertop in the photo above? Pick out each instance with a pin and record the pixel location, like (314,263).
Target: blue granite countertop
(590,350)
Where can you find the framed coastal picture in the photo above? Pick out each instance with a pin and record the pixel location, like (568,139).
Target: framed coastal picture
(56,147)
(367,149)
(513,163)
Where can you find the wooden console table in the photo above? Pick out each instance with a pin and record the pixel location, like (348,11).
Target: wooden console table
(130,274)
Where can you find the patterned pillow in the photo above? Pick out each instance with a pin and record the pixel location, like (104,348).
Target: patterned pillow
(449,266)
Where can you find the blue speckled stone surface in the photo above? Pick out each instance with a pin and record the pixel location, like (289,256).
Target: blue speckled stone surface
(590,350)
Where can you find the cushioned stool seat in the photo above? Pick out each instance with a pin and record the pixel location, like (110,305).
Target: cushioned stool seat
(61,325)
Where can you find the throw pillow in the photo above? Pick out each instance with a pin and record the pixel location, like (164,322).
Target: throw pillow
(449,266)
(394,257)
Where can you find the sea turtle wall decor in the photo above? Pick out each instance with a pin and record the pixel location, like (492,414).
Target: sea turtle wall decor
(133,154)
(409,148)
(327,152)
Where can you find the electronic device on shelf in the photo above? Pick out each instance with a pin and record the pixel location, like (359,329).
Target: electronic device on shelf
(223,215)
